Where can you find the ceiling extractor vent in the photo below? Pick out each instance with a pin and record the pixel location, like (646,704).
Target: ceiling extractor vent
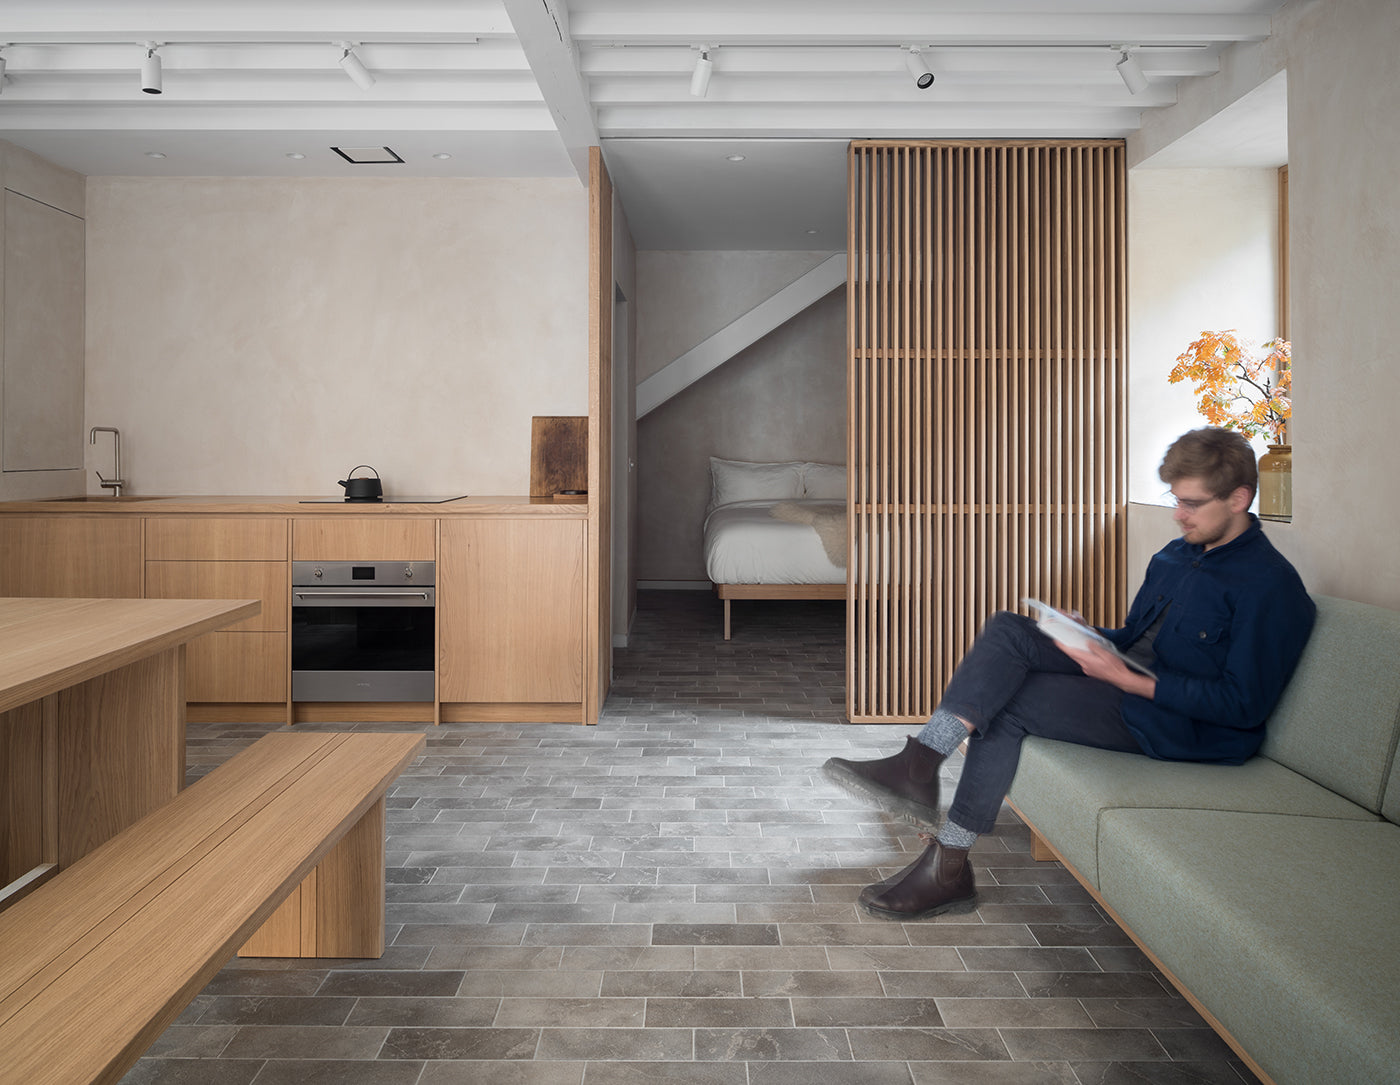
(367,156)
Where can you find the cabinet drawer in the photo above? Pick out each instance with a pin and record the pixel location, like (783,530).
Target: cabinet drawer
(215,538)
(379,538)
(236,667)
(262,580)
(82,557)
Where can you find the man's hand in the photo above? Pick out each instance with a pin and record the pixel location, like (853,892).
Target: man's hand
(1098,662)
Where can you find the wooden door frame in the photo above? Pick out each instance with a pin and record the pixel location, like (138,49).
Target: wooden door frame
(598,605)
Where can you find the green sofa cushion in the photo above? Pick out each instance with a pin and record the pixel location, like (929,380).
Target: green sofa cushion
(1063,789)
(1337,721)
(1286,928)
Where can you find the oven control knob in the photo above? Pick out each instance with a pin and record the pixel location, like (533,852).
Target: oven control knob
(408,572)
(317,574)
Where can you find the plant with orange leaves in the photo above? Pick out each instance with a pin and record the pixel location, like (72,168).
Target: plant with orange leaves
(1238,390)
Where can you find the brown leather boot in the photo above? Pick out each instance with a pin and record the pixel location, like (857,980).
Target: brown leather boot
(940,880)
(905,785)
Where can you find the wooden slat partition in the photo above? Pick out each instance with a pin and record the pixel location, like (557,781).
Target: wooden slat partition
(986,400)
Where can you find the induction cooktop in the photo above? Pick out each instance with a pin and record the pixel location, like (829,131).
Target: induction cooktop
(395,500)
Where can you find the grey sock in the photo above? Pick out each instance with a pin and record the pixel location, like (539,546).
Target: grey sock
(944,732)
(953,835)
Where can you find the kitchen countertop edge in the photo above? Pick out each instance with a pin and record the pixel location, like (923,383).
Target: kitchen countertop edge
(280,505)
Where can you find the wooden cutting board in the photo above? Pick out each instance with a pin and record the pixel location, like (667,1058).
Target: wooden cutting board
(558,454)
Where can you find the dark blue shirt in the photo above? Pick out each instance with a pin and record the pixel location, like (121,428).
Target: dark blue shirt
(1237,618)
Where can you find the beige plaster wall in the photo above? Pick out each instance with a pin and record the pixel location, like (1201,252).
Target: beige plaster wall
(267,335)
(1203,254)
(781,399)
(1343,101)
(688,296)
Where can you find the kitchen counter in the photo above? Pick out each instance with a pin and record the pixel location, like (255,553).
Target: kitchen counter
(513,638)
(282,505)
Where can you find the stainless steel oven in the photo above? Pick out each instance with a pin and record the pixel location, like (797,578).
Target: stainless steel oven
(362,630)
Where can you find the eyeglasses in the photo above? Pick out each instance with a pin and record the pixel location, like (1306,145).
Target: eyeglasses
(1190,504)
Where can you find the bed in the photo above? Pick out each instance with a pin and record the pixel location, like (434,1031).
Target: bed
(776,531)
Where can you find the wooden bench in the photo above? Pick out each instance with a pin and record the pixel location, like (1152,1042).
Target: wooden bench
(283,844)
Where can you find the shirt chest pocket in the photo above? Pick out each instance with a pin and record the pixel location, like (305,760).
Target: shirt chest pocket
(1205,629)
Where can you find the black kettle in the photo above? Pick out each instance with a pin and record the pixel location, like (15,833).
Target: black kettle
(363,489)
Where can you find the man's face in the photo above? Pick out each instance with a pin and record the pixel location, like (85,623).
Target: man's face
(1203,518)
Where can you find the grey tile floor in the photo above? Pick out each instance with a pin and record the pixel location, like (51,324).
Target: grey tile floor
(669,897)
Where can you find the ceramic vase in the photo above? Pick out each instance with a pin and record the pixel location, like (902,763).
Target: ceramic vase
(1276,483)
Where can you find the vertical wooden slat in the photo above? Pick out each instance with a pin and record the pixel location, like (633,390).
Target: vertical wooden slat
(985,440)
(905,497)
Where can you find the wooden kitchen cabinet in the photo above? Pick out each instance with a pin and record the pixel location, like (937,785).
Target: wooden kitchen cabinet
(511,615)
(42,304)
(227,558)
(512,618)
(236,668)
(370,538)
(75,557)
(265,581)
(43,337)
(216,538)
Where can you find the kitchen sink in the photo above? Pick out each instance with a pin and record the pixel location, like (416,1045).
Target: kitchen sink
(92,499)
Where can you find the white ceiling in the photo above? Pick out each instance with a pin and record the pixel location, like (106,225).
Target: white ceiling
(523,87)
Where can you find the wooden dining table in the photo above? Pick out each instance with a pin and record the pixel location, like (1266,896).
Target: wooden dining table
(92,721)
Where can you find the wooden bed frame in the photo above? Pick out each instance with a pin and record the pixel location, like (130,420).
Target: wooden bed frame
(728,592)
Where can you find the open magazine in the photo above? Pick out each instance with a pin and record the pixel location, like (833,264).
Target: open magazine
(1062,629)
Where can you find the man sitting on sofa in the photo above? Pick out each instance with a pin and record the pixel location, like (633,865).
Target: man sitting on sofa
(1220,620)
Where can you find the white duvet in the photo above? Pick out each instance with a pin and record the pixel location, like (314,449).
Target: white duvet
(746,544)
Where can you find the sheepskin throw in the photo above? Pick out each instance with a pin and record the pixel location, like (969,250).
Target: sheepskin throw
(827,519)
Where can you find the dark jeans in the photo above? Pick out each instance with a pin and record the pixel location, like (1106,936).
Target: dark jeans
(1013,682)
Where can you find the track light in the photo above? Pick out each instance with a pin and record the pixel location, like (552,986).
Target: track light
(700,79)
(1131,71)
(362,76)
(150,69)
(923,78)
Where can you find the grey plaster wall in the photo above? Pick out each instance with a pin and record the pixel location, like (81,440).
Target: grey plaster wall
(1344,216)
(781,399)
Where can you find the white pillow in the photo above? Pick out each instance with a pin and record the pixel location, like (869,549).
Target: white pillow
(735,480)
(825,481)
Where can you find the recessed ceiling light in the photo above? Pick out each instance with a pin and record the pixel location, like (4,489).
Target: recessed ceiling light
(811,231)
(155,154)
(295,154)
(734,158)
(442,156)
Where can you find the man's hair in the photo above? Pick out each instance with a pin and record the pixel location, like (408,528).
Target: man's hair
(1222,459)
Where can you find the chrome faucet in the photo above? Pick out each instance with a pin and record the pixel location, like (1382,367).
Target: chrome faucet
(113,484)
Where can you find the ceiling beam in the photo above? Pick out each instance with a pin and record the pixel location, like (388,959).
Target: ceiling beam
(213,117)
(667,94)
(258,58)
(254,20)
(543,29)
(896,120)
(1063,64)
(282,90)
(864,25)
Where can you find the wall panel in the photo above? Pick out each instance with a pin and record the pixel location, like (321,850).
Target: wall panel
(986,335)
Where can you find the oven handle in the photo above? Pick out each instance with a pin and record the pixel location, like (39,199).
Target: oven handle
(379,594)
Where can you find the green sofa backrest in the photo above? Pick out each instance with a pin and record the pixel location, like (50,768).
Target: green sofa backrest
(1390,807)
(1338,720)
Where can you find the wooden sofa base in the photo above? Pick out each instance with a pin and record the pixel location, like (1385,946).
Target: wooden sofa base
(1043,851)
(729,592)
